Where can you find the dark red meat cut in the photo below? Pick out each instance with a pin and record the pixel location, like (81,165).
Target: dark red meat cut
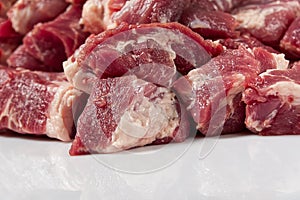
(76,1)
(213,5)
(5,6)
(247,41)
(212,93)
(37,103)
(291,40)
(52,42)
(21,58)
(127,112)
(153,52)
(24,14)
(9,40)
(267,22)
(273,102)
(210,24)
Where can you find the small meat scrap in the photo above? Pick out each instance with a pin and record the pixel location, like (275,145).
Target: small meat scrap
(127,112)
(37,103)
(273,102)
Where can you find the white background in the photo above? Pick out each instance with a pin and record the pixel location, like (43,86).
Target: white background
(239,167)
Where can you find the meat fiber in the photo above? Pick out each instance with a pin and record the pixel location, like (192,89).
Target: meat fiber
(268,22)
(9,40)
(127,112)
(213,92)
(153,52)
(26,13)
(37,103)
(100,15)
(52,42)
(291,40)
(272,100)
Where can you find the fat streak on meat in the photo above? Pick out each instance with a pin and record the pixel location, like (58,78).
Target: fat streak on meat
(127,112)
(37,103)
(268,22)
(99,15)
(52,42)
(24,14)
(273,102)
(219,84)
(144,50)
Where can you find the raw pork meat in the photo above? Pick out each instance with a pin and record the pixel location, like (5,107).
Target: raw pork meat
(9,40)
(76,1)
(210,24)
(273,102)
(4,7)
(151,51)
(291,40)
(268,22)
(150,11)
(26,13)
(37,103)
(127,112)
(213,92)
(52,42)
(99,15)
(245,40)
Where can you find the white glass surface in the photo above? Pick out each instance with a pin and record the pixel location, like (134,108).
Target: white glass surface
(238,167)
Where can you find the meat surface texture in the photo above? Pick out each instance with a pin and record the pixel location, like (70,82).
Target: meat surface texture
(127,112)
(5,6)
(154,52)
(100,15)
(52,42)
(9,40)
(247,41)
(212,93)
(37,103)
(291,40)
(267,21)
(97,14)
(26,13)
(273,102)
(210,24)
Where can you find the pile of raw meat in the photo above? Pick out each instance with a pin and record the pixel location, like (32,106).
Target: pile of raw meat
(117,74)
